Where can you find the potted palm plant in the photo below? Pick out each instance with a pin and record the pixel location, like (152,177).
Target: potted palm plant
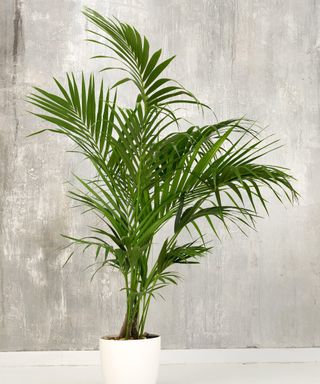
(149,172)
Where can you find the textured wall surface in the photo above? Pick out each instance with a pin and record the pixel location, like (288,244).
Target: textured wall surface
(254,57)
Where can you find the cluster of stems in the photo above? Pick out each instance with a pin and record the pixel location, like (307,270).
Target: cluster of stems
(138,302)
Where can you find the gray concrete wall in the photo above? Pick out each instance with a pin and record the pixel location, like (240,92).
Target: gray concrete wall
(254,57)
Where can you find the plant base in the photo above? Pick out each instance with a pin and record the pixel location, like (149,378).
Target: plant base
(130,361)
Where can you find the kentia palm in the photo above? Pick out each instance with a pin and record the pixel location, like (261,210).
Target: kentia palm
(147,177)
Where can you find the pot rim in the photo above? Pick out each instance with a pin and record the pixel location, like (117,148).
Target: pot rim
(151,337)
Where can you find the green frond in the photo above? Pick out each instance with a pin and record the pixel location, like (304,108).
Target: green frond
(143,68)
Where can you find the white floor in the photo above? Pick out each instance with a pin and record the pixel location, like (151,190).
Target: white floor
(217,373)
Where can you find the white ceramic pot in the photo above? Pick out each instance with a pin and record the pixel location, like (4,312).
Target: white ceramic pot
(130,361)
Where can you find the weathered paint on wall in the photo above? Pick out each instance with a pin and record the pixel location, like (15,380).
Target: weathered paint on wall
(254,57)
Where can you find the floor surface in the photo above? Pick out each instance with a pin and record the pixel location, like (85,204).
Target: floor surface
(280,373)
